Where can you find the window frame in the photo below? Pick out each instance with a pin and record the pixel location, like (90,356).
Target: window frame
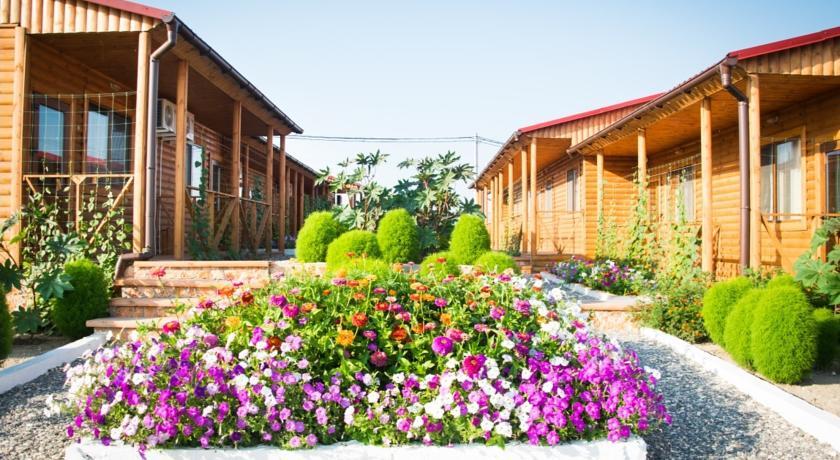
(111,113)
(795,220)
(35,165)
(190,169)
(572,190)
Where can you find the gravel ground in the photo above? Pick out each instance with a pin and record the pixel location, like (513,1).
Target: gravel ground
(712,419)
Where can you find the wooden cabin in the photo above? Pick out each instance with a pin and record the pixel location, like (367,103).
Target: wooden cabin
(685,143)
(80,86)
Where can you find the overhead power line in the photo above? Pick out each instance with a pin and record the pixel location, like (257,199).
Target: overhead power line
(407,140)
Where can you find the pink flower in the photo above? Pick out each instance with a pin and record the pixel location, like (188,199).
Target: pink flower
(279,300)
(473,364)
(497,313)
(379,359)
(440,302)
(455,334)
(171,327)
(291,310)
(442,345)
(158,272)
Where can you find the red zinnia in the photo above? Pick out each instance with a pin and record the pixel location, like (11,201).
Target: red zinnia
(247,298)
(379,358)
(171,327)
(158,272)
(359,319)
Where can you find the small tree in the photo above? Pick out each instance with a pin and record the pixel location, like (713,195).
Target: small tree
(821,277)
(368,195)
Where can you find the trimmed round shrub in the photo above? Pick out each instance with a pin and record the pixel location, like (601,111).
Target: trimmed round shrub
(87,300)
(361,266)
(782,279)
(828,337)
(736,335)
(440,264)
(7,329)
(784,335)
(318,231)
(469,238)
(398,237)
(353,244)
(718,302)
(495,262)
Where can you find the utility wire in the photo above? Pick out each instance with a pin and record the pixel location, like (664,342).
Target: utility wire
(479,139)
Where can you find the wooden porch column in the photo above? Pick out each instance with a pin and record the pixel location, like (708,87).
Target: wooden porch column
(235,165)
(496,201)
(534,226)
(493,198)
(18,139)
(510,198)
(599,184)
(269,191)
(281,212)
(180,158)
(295,194)
(526,225)
(641,147)
(755,171)
(707,232)
(301,181)
(500,222)
(139,195)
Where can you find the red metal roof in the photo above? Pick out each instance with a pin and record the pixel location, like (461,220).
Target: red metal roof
(788,43)
(132,7)
(590,113)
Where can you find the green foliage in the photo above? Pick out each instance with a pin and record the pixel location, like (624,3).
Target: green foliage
(738,329)
(200,236)
(782,279)
(359,267)
(315,204)
(640,246)
(355,243)
(607,242)
(822,277)
(7,331)
(679,262)
(318,231)
(784,335)
(359,182)
(469,238)
(828,337)
(440,265)
(676,310)
(513,241)
(718,302)
(104,233)
(398,237)
(496,262)
(87,300)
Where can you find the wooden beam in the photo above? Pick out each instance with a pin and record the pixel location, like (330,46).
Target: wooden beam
(18,122)
(235,173)
(641,153)
(182,90)
(295,188)
(755,171)
(281,217)
(300,203)
(500,223)
(534,238)
(269,190)
(526,225)
(510,200)
(140,111)
(599,184)
(707,241)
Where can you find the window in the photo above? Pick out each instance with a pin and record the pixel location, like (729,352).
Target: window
(572,190)
(833,181)
(781,179)
(685,187)
(50,137)
(548,194)
(107,141)
(216,177)
(195,168)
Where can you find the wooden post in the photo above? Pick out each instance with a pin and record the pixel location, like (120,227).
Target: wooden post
(180,158)
(296,194)
(281,219)
(526,225)
(235,165)
(301,181)
(138,191)
(500,222)
(534,226)
(510,200)
(641,146)
(269,193)
(495,233)
(707,232)
(19,102)
(599,184)
(755,172)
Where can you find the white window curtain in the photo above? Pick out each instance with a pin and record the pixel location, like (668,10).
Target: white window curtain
(789,176)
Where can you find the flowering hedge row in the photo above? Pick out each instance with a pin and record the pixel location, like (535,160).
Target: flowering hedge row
(393,360)
(604,275)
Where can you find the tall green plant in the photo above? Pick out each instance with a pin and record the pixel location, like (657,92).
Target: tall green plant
(678,263)
(640,247)
(104,232)
(358,178)
(815,274)
(607,244)
(199,242)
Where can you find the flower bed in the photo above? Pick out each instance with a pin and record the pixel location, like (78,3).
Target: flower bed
(604,275)
(386,361)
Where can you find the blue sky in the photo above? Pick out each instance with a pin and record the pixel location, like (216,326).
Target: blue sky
(437,68)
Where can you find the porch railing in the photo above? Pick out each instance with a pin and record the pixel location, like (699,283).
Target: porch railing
(220,211)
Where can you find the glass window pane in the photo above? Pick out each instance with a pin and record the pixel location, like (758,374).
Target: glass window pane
(687,192)
(833,181)
(97,141)
(120,132)
(571,190)
(50,150)
(195,157)
(767,179)
(789,177)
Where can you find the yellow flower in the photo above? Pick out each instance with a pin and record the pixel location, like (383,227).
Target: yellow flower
(428,297)
(341,273)
(345,337)
(445,319)
(363,282)
(233,322)
(371,278)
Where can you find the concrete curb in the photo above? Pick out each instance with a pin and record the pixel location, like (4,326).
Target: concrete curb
(632,449)
(600,296)
(35,367)
(818,423)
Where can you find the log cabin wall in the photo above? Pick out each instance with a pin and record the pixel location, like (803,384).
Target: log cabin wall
(57,16)
(7,79)
(618,196)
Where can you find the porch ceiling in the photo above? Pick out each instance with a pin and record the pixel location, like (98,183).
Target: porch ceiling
(549,150)
(776,92)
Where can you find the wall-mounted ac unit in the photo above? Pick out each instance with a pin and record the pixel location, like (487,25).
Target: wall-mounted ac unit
(190,127)
(165,118)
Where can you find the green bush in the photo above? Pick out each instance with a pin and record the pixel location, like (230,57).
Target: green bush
(398,237)
(318,231)
(495,262)
(469,238)
(828,337)
(782,279)
(736,335)
(87,300)
(718,302)
(355,243)
(440,264)
(784,335)
(676,310)
(360,266)
(7,330)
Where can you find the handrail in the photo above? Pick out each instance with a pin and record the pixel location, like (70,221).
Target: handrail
(228,195)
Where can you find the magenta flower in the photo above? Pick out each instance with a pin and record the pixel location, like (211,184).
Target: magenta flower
(473,364)
(440,302)
(171,327)
(379,358)
(291,310)
(497,313)
(442,345)
(279,301)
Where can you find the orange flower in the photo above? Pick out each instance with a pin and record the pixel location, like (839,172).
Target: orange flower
(399,334)
(363,282)
(345,337)
(417,328)
(247,298)
(428,297)
(226,291)
(341,273)
(446,319)
(359,296)
(392,292)
(274,342)
(353,283)
(325,292)
(307,307)
(233,322)
(414,297)
(359,319)
(381,306)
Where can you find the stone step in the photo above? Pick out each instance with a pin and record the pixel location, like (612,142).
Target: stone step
(146,307)
(220,270)
(121,327)
(148,288)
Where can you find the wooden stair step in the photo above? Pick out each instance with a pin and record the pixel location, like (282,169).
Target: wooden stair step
(112,323)
(160,302)
(184,283)
(233,264)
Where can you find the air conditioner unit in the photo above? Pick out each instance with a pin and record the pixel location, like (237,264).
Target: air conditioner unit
(165,118)
(190,127)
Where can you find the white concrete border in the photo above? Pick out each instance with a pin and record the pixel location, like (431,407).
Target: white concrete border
(632,449)
(818,423)
(35,367)
(594,294)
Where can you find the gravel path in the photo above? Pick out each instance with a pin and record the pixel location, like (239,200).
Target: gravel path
(712,419)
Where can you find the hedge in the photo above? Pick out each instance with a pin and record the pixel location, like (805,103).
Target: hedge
(828,337)
(737,334)
(398,236)
(355,243)
(718,302)
(7,329)
(88,299)
(496,262)
(469,238)
(318,231)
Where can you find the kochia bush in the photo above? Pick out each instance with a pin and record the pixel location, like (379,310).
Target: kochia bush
(718,302)
(440,265)
(398,236)
(318,231)
(87,300)
(784,335)
(828,337)
(737,335)
(469,238)
(495,262)
(7,331)
(355,243)
(782,279)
